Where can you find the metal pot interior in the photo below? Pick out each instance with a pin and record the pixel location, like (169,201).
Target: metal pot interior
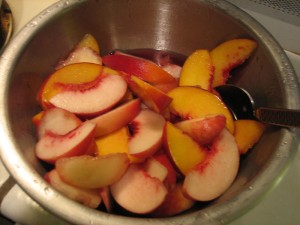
(176,25)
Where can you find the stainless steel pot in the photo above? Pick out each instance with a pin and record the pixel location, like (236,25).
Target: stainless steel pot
(176,25)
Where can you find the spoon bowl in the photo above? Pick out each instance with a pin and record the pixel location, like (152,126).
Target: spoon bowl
(242,106)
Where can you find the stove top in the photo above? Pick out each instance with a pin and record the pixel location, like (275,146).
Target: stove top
(281,206)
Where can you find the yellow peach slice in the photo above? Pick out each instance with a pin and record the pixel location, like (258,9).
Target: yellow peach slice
(184,151)
(72,74)
(87,50)
(197,70)
(193,102)
(228,55)
(174,203)
(92,172)
(247,133)
(212,177)
(87,197)
(115,142)
(89,41)
(151,96)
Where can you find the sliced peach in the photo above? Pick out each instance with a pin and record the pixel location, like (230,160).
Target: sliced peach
(147,131)
(91,149)
(212,177)
(151,96)
(197,70)
(192,102)
(142,68)
(127,97)
(116,118)
(89,41)
(163,158)
(95,97)
(155,169)
(106,198)
(138,192)
(88,197)
(115,142)
(229,55)
(92,172)
(87,50)
(166,87)
(72,74)
(203,129)
(36,119)
(183,150)
(247,133)
(173,69)
(80,55)
(174,203)
(52,147)
(57,121)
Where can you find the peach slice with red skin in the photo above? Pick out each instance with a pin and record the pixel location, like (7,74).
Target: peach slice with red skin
(81,81)
(202,103)
(92,172)
(175,71)
(57,121)
(147,131)
(163,158)
(166,87)
(151,96)
(138,192)
(87,50)
(52,147)
(106,198)
(36,119)
(204,129)
(95,97)
(229,55)
(247,134)
(80,55)
(72,74)
(155,169)
(183,150)
(174,203)
(212,177)
(197,70)
(116,118)
(88,197)
(142,68)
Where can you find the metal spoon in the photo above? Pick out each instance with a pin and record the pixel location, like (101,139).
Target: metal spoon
(238,100)
(241,104)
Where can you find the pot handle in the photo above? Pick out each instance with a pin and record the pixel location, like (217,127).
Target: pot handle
(17,206)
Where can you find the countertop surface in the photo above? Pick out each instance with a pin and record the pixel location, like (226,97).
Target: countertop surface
(279,207)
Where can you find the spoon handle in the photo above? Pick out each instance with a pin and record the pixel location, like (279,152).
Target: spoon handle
(280,117)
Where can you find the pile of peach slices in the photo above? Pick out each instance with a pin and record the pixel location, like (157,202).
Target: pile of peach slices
(149,138)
